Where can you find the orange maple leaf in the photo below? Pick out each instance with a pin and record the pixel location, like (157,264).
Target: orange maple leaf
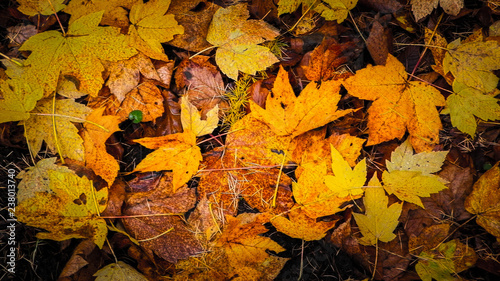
(288,115)
(94,139)
(177,152)
(398,105)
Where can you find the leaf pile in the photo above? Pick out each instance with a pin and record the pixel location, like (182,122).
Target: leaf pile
(208,142)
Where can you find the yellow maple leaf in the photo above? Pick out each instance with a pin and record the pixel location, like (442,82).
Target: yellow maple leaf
(39,127)
(472,63)
(118,271)
(177,152)
(151,26)
(288,115)
(398,105)
(467,102)
(68,208)
(410,177)
(299,225)
(484,201)
(379,221)
(314,196)
(94,139)
(43,7)
(115,11)
(237,40)
(191,118)
(346,181)
(77,53)
(18,98)
(329,9)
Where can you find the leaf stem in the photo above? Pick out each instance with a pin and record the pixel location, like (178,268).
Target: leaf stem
(206,49)
(12,60)
(57,18)
(427,46)
(275,195)
(56,142)
(68,116)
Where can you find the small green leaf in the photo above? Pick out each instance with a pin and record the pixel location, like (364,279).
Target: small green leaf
(135,116)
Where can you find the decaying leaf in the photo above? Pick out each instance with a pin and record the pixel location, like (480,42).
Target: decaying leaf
(191,118)
(329,9)
(472,63)
(18,98)
(448,259)
(79,53)
(178,153)
(288,115)
(422,8)
(240,251)
(150,27)
(55,127)
(125,74)
(202,82)
(467,103)
(237,40)
(410,177)
(379,221)
(115,11)
(484,201)
(68,207)
(163,231)
(117,272)
(399,105)
(43,7)
(146,97)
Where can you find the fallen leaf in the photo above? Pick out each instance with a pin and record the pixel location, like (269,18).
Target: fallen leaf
(40,127)
(314,196)
(18,98)
(195,16)
(69,207)
(202,82)
(346,181)
(379,221)
(378,43)
(164,232)
(240,251)
(177,152)
(467,103)
(43,7)
(67,87)
(472,63)
(237,40)
(403,159)
(438,52)
(119,271)
(288,115)
(484,201)
(409,176)
(78,53)
(150,26)
(191,118)
(146,97)
(430,238)
(422,8)
(449,258)
(115,11)
(329,9)
(94,140)
(398,105)
(326,58)
(299,225)
(125,74)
